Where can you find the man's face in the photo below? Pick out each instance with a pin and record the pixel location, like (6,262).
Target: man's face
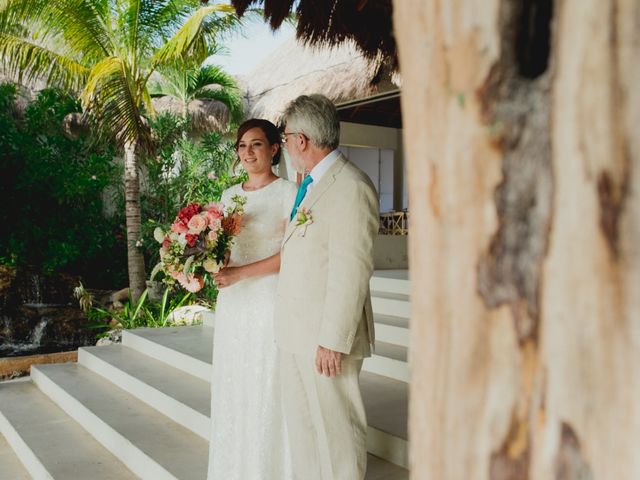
(292,146)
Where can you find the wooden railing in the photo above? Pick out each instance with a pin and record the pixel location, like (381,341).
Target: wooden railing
(394,223)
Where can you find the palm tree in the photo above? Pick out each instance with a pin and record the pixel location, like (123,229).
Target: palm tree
(185,81)
(107,51)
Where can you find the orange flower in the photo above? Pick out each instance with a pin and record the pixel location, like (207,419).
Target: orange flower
(232,224)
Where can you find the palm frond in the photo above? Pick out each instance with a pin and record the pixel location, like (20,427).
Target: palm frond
(110,100)
(145,24)
(148,103)
(189,40)
(27,61)
(219,27)
(159,20)
(166,87)
(79,22)
(212,75)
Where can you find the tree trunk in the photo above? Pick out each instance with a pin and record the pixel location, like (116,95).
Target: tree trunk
(137,276)
(523,147)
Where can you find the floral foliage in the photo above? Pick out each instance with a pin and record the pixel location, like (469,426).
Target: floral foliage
(196,245)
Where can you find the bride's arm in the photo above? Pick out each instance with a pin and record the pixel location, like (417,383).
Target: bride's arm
(230,275)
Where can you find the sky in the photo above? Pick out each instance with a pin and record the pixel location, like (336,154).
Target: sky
(248,49)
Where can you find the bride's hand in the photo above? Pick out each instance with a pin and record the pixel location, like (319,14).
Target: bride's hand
(227,277)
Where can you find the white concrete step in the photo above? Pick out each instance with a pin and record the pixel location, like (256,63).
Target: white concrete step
(390,329)
(150,444)
(189,349)
(386,402)
(208,318)
(380,469)
(48,442)
(388,360)
(393,304)
(183,398)
(391,281)
(10,466)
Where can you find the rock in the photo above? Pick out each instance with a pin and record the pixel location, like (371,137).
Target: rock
(7,276)
(155,290)
(188,315)
(113,336)
(14,367)
(121,296)
(38,313)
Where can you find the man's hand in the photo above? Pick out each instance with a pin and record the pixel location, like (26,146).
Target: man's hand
(328,362)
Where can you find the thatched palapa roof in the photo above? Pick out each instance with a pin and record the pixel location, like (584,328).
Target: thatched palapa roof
(342,73)
(368,23)
(205,115)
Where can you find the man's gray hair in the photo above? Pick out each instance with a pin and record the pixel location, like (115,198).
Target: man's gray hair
(316,117)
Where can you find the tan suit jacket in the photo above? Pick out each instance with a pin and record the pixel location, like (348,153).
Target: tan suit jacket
(323,290)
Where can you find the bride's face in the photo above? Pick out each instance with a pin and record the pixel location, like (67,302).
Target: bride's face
(254,151)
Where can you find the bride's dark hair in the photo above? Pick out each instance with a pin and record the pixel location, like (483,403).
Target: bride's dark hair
(270,131)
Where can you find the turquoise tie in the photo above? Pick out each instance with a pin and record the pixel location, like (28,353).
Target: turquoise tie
(302,191)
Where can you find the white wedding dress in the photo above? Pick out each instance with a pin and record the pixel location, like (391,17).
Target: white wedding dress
(248,437)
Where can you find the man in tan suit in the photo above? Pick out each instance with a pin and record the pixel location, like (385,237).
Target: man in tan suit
(323,317)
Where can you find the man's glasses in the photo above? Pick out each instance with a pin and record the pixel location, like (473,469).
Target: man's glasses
(285,134)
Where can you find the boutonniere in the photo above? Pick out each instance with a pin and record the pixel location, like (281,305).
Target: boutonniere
(303,219)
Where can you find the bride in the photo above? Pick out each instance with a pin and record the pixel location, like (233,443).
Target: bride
(248,440)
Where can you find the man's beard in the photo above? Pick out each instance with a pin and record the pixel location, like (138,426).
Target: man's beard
(296,163)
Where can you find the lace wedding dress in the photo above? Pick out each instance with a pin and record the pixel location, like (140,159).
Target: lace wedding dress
(248,438)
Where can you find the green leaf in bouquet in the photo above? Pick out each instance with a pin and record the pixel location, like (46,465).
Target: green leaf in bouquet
(187,264)
(157,269)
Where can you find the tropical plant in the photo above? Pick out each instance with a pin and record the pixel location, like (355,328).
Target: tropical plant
(182,172)
(108,49)
(186,82)
(142,313)
(53,192)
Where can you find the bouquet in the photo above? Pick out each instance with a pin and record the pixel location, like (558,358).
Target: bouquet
(196,245)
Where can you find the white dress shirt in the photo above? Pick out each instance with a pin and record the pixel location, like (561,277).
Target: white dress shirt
(322,167)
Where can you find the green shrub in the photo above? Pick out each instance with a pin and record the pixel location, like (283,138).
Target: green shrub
(55,187)
(52,208)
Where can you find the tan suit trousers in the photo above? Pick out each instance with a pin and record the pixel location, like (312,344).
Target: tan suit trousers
(325,419)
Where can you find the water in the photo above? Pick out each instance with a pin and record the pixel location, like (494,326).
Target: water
(38,315)
(36,335)
(32,347)
(35,293)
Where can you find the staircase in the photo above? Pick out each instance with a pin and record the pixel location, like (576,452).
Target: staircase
(141,409)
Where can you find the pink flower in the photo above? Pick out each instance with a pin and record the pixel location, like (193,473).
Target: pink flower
(213,235)
(215,208)
(214,220)
(212,175)
(197,224)
(179,227)
(190,283)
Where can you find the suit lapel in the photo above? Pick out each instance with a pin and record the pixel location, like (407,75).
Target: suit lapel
(316,193)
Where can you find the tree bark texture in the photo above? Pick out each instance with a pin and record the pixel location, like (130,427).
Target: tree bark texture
(135,259)
(522,134)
